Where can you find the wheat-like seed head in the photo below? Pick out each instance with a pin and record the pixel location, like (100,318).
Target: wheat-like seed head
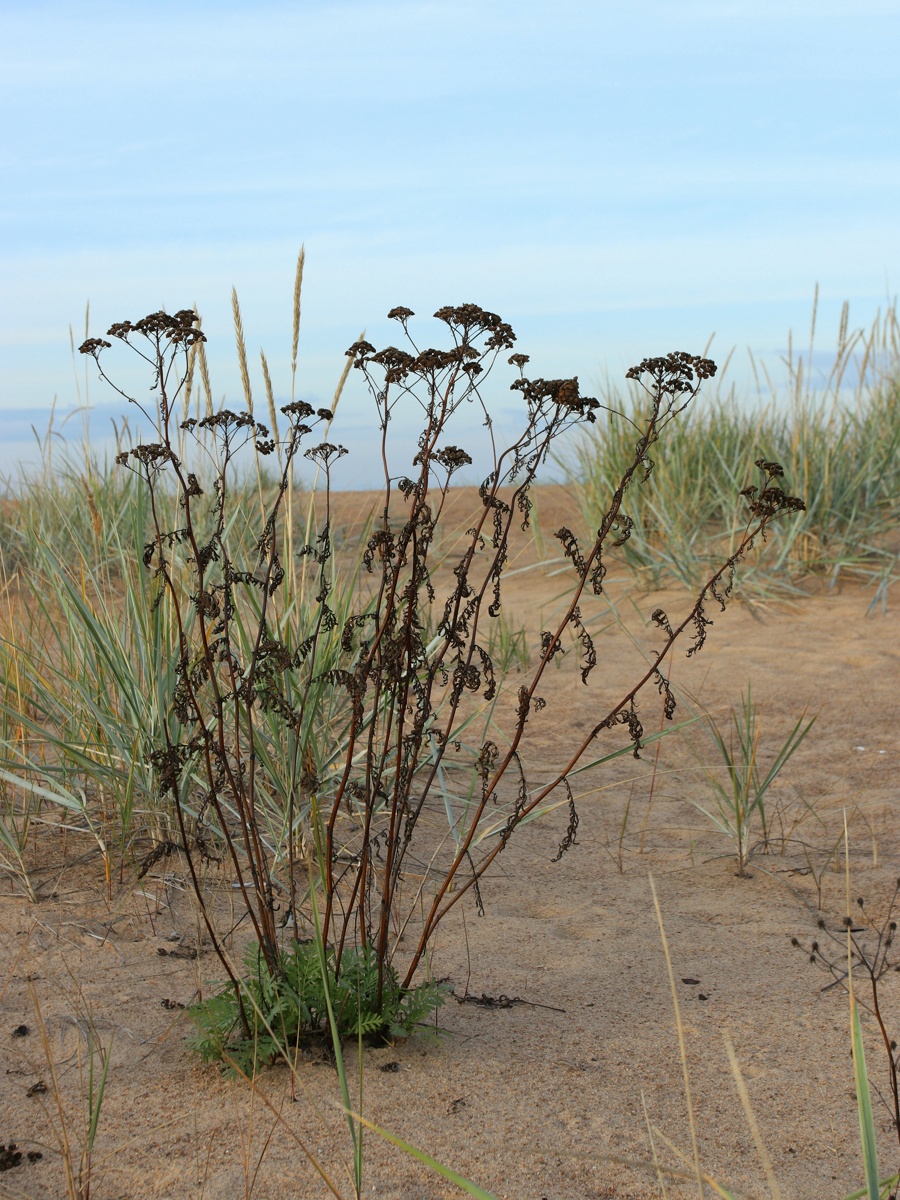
(343,379)
(204,368)
(270,396)
(189,379)
(298,284)
(241,349)
(96,518)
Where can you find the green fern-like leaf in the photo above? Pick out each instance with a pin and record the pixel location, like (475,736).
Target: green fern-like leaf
(369,1023)
(279,1010)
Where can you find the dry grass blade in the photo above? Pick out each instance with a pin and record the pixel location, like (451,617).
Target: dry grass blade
(681,1046)
(718,1188)
(289,502)
(73,1182)
(751,1119)
(660,1177)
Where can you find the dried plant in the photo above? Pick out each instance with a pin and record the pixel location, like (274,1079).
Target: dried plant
(864,944)
(415,731)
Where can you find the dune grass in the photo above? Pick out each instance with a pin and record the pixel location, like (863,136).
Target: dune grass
(86,676)
(836,435)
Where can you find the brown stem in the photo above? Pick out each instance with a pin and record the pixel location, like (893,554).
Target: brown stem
(437,912)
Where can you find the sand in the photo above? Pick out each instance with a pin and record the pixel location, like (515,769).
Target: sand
(550,1093)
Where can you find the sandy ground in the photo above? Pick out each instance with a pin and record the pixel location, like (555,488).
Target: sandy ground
(543,1097)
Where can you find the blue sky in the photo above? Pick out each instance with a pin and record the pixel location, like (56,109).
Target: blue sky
(615,179)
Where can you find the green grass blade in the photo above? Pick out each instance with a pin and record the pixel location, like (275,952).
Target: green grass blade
(864,1105)
(96,1097)
(793,742)
(59,795)
(466,1185)
(886,1185)
(352,1120)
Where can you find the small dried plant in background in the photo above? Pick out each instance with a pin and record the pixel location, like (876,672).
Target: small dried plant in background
(864,945)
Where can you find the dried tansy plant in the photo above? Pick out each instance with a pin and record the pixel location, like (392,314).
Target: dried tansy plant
(334,725)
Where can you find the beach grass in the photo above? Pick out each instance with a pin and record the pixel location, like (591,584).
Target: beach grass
(836,433)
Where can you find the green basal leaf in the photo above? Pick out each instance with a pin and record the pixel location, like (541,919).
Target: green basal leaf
(864,1106)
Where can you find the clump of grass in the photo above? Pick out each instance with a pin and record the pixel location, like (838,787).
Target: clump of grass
(838,443)
(85,673)
(738,781)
